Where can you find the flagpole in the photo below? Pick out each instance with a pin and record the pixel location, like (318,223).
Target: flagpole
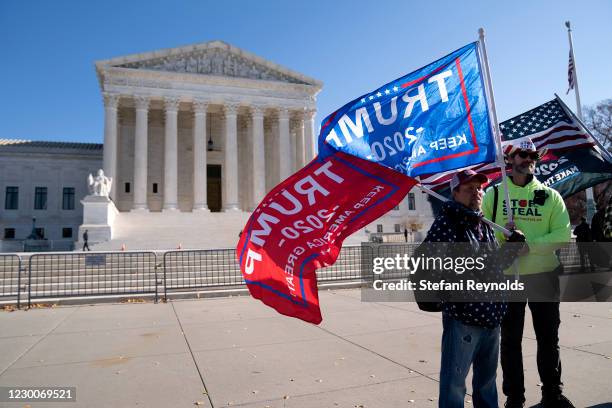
(493,120)
(590,196)
(575,69)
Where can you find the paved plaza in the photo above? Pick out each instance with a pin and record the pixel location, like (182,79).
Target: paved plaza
(235,351)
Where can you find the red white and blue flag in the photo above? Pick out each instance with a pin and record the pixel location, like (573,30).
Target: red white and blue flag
(432,120)
(574,160)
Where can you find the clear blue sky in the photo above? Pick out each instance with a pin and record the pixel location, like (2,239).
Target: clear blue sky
(49,90)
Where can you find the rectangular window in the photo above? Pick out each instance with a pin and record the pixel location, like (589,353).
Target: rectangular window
(398,228)
(9,233)
(68,198)
(154,188)
(127,187)
(411,202)
(66,232)
(40,198)
(379,228)
(11,201)
(40,232)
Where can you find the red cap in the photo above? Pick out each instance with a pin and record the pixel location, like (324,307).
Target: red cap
(466,176)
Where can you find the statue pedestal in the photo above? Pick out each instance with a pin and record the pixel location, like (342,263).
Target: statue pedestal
(98,217)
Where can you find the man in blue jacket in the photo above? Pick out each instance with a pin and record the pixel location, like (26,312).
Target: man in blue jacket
(470,329)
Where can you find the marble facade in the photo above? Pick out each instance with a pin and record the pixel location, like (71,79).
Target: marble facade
(203,127)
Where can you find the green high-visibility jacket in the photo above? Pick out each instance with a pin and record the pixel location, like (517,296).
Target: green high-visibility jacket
(546,227)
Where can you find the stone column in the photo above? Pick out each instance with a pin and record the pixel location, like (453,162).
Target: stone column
(259,157)
(230,179)
(171,155)
(299,144)
(309,140)
(141,153)
(285,160)
(111,102)
(199,155)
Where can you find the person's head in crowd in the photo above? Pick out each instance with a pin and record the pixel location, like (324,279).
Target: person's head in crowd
(523,156)
(466,187)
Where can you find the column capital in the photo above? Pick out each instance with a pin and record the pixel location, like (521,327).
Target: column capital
(231,108)
(257,110)
(309,113)
(171,103)
(142,102)
(111,100)
(200,105)
(283,113)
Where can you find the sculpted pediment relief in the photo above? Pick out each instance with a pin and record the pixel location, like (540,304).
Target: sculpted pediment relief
(214,61)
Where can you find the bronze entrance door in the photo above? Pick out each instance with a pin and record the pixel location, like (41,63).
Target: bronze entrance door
(213,187)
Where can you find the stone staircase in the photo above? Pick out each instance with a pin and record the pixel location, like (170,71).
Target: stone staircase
(190,230)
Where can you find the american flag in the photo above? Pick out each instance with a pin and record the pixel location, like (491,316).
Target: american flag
(549,126)
(570,73)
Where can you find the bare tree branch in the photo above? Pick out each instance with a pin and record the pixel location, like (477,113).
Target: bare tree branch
(598,118)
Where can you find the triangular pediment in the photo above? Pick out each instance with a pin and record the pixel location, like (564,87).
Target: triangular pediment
(212,58)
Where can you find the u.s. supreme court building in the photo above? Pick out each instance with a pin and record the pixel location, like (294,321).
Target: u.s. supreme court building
(194,137)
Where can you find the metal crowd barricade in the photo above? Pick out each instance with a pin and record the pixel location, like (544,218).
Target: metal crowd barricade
(73,274)
(10,278)
(346,267)
(197,269)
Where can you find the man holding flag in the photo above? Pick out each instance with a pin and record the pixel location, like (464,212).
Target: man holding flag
(538,211)
(434,119)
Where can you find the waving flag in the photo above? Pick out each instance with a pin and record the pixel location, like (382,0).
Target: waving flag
(431,120)
(570,73)
(301,223)
(434,119)
(574,162)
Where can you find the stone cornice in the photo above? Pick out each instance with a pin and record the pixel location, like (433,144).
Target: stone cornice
(160,79)
(211,45)
(42,153)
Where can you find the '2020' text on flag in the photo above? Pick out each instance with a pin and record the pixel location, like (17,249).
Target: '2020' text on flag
(433,119)
(300,225)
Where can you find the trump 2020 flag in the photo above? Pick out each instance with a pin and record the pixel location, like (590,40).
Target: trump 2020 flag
(434,119)
(431,120)
(301,223)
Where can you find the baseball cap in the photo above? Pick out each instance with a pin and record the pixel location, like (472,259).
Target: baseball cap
(466,176)
(525,144)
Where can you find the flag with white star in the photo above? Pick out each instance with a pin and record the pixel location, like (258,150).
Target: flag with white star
(431,120)
(574,160)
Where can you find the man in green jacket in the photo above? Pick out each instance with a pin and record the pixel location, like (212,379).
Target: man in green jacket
(540,213)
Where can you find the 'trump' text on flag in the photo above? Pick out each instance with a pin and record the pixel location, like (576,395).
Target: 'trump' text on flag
(434,119)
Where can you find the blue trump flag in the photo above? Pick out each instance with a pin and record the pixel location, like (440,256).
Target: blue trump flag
(432,120)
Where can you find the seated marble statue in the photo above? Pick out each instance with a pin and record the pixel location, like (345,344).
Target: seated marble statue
(99,185)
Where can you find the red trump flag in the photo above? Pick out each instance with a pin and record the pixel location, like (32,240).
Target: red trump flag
(300,225)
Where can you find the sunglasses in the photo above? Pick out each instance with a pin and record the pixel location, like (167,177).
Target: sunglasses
(532,155)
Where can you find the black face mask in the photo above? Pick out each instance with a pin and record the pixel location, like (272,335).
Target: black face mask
(539,197)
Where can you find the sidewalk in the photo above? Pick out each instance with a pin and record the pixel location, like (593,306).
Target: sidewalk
(238,352)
